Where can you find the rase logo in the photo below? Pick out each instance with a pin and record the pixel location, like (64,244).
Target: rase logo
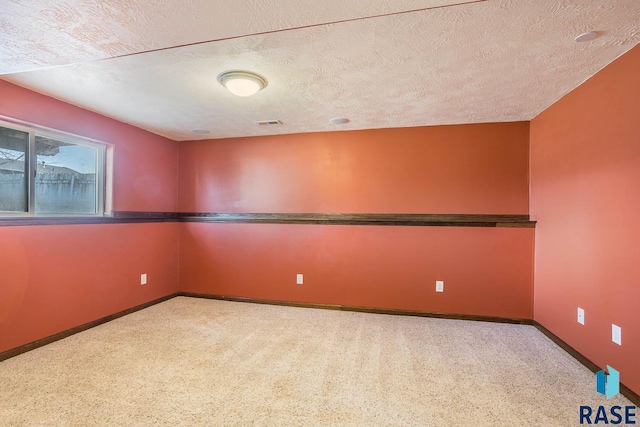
(608,384)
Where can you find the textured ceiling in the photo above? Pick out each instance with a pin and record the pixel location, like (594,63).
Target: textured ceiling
(490,61)
(46,33)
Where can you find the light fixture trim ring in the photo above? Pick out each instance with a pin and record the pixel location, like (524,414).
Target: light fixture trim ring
(226,76)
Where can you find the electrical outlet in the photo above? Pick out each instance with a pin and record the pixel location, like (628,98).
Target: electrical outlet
(439,285)
(143,279)
(581,316)
(299,279)
(616,334)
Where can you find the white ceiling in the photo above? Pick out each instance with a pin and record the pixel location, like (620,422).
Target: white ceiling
(381,64)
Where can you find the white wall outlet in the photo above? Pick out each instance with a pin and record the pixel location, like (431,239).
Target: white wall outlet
(439,285)
(581,316)
(299,279)
(143,279)
(616,334)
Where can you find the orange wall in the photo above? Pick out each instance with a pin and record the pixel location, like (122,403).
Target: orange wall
(487,271)
(585,195)
(440,169)
(446,169)
(56,277)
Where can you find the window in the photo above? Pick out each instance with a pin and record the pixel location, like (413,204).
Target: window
(44,172)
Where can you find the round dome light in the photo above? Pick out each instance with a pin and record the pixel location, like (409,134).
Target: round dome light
(242,83)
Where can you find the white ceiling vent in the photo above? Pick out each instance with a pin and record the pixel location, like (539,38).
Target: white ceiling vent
(269,122)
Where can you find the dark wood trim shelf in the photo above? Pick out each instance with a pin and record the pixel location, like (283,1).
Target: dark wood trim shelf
(416,220)
(148,216)
(119,217)
(428,220)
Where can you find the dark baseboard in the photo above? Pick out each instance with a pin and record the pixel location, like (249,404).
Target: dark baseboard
(64,334)
(390,311)
(624,390)
(67,333)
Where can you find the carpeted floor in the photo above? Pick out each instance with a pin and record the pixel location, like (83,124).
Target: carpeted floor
(195,362)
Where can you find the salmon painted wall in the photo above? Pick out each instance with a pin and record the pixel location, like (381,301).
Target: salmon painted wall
(585,195)
(57,277)
(487,271)
(441,169)
(448,169)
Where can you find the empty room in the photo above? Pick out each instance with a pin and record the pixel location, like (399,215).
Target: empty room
(307,213)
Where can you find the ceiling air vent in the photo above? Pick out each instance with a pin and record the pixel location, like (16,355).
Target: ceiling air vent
(269,122)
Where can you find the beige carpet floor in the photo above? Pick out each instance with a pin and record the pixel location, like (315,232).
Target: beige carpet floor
(195,362)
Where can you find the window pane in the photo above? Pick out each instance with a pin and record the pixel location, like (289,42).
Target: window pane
(66,177)
(13,163)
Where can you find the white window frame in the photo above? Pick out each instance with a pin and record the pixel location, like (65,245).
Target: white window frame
(103,175)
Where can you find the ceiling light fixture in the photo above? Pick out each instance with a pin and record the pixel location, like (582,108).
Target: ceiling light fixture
(339,120)
(586,37)
(242,83)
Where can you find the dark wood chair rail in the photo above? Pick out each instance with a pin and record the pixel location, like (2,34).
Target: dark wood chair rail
(388,219)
